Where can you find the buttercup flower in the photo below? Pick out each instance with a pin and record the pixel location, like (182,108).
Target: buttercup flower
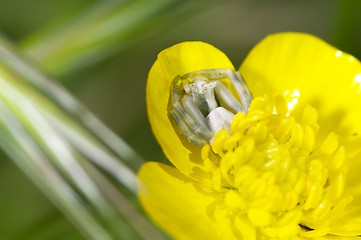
(274,157)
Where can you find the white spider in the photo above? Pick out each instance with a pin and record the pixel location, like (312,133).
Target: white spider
(202,104)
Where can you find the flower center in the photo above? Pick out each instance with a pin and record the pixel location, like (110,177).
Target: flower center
(204,102)
(278,176)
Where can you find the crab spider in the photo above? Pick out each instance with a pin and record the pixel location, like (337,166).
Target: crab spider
(204,102)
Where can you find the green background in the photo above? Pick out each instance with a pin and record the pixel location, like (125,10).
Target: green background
(113,87)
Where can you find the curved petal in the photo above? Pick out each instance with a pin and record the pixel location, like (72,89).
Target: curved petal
(177,60)
(349,221)
(313,72)
(330,80)
(332,237)
(176,203)
(349,224)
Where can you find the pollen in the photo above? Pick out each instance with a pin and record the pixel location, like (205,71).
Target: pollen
(280,175)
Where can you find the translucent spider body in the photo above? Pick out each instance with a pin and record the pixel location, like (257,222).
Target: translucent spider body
(203,102)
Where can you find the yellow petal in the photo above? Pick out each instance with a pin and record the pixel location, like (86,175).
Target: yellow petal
(177,204)
(332,237)
(308,71)
(349,224)
(177,60)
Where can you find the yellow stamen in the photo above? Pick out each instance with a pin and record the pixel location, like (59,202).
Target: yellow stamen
(276,173)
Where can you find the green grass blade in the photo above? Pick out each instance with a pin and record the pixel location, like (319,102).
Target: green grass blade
(79,164)
(97,32)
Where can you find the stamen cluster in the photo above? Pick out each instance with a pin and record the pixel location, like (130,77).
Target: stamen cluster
(279,176)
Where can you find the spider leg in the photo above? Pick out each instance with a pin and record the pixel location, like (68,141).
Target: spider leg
(198,123)
(243,91)
(228,99)
(180,116)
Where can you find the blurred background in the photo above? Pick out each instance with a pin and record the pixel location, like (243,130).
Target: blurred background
(101,52)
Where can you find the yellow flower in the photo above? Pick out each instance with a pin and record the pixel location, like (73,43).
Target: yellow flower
(289,168)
